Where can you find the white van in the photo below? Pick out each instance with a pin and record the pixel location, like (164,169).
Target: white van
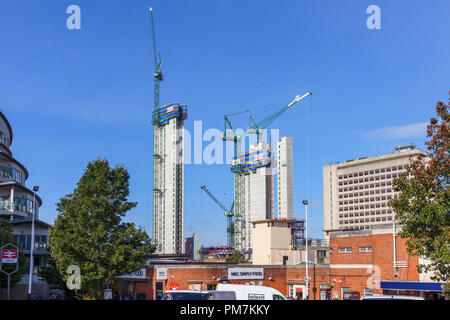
(248,292)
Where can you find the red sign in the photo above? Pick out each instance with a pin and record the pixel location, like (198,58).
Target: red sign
(174,286)
(9,256)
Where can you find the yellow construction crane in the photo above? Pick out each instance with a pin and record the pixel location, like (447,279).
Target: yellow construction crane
(197,250)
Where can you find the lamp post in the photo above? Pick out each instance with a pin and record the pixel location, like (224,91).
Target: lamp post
(33,214)
(305,203)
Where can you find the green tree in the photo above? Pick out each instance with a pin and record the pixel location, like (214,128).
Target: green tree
(90,234)
(423,206)
(7,236)
(236,257)
(51,275)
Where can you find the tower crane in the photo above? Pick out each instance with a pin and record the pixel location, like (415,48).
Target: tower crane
(157,76)
(228,213)
(197,250)
(263,124)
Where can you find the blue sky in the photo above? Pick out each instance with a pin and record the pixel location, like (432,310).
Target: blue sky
(74,95)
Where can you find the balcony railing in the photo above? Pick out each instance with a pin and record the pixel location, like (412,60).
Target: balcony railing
(5,205)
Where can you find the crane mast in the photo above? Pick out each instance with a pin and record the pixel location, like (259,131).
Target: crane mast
(228,213)
(157,76)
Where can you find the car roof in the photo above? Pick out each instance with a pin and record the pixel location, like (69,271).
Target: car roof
(390,297)
(232,285)
(183,291)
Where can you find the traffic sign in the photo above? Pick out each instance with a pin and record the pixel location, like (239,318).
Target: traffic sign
(9,255)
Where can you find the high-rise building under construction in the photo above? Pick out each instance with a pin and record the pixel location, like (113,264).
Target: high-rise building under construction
(285,178)
(255,195)
(168,178)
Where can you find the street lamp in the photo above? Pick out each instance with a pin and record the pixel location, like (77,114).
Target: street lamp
(33,214)
(305,203)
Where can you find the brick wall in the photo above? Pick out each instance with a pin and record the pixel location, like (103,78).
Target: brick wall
(381,257)
(349,270)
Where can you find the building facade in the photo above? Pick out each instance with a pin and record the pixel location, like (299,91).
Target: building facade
(285,178)
(151,283)
(356,263)
(376,261)
(17,205)
(356,192)
(281,242)
(168,178)
(253,193)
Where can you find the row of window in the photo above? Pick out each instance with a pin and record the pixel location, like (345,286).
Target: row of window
(349,228)
(4,139)
(22,205)
(367,213)
(367,220)
(24,242)
(375,171)
(351,201)
(366,180)
(377,185)
(349,249)
(389,182)
(367,206)
(11,174)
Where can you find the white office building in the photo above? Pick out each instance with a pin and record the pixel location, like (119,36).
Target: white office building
(356,192)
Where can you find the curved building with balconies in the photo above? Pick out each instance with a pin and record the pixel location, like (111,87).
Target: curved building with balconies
(17,204)
(16,200)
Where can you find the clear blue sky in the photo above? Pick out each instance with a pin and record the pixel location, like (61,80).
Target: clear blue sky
(74,95)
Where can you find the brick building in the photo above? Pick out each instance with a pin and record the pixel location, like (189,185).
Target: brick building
(361,262)
(162,276)
(373,261)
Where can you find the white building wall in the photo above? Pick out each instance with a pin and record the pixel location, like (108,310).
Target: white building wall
(356,193)
(169,204)
(285,178)
(258,199)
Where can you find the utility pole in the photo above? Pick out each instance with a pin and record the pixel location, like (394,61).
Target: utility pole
(33,214)
(305,202)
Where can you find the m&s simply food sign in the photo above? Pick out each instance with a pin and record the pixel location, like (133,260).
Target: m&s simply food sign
(245,273)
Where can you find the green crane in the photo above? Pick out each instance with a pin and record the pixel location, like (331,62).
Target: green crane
(157,76)
(237,227)
(263,124)
(228,213)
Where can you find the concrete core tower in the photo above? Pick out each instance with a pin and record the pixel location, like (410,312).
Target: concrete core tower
(168,178)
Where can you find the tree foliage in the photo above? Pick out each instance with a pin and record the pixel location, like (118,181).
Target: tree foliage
(90,234)
(236,257)
(51,275)
(423,205)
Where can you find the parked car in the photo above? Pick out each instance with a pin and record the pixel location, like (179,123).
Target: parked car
(184,295)
(390,297)
(249,292)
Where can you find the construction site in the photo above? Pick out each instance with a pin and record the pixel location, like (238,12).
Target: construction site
(258,171)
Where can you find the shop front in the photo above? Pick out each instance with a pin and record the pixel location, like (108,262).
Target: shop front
(426,290)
